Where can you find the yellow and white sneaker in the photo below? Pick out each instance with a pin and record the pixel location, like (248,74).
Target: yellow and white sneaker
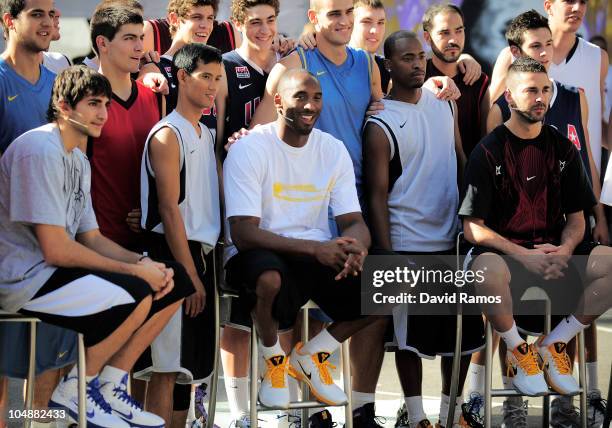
(274,389)
(524,368)
(558,368)
(314,369)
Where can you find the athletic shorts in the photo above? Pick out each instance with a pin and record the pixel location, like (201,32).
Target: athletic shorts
(97,303)
(186,345)
(301,281)
(522,279)
(431,335)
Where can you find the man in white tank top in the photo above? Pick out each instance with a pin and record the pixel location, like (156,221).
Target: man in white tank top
(410,169)
(180,206)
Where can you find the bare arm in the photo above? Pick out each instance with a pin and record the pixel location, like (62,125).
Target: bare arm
(221,104)
(266,112)
(164,155)
(494,118)
(600,233)
(61,251)
(375,83)
(461,158)
(573,232)
(603,73)
(478,233)
(498,77)
(376,158)
(485,107)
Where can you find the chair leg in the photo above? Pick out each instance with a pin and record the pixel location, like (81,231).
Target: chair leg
(580,342)
(254,376)
(546,398)
(304,387)
(81,382)
(346,375)
(29,398)
(214,378)
(454,387)
(488,375)
(608,417)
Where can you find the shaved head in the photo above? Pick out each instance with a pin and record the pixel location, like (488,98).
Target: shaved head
(294,77)
(390,42)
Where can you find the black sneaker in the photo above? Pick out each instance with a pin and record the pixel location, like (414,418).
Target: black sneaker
(364,417)
(471,411)
(322,419)
(401,419)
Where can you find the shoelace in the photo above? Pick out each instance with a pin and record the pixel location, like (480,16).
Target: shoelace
(294,421)
(378,421)
(122,394)
(200,395)
(518,414)
(528,362)
(277,373)
(98,400)
(324,368)
(471,411)
(599,405)
(562,362)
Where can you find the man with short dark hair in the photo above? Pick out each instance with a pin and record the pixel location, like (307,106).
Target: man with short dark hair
(180,206)
(444,32)
(525,160)
(56,265)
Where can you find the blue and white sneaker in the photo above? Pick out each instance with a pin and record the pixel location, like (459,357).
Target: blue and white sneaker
(126,408)
(99,414)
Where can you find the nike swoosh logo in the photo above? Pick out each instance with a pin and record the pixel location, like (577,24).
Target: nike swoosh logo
(531,178)
(125,415)
(321,73)
(61,354)
(241,86)
(308,375)
(403,124)
(191,152)
(13,97)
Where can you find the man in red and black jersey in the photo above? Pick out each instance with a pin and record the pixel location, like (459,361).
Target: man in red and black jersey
(526,194)
(444,31)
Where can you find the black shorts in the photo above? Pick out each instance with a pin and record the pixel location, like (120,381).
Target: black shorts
(301,280)
(431,335)
(185,345)
(529,315)
(96,303)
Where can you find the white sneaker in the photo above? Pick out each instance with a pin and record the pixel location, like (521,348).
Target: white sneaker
(274,388)
(523,367)
(125,407)
(314,370)
(558,368)
(99,414)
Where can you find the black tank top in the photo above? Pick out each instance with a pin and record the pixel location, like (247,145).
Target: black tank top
(246,86)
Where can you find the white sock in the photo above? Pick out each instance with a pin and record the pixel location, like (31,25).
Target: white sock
(361,398)
(270,351)
(477,378)
(416,413)
(507,382)
(237,389)
(112,374)
(74,374)
(564,331)
(321,342)
(444,403)
(592,378)
(511,337)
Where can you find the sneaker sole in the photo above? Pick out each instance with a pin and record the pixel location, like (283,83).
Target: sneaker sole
(301,377)
(556,388)
(539,394)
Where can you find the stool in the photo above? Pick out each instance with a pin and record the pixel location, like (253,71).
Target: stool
(16,317)
(305,404)
(489,392)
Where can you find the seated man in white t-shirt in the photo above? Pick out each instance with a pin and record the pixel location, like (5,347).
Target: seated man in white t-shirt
(280,181)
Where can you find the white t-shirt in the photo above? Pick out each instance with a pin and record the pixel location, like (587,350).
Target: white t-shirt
(55,61)
(290,189)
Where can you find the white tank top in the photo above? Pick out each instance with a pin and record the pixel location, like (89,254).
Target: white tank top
(423,197)
(199,184)
(582,70)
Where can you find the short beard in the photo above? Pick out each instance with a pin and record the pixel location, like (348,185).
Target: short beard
(528,117)
(440,55)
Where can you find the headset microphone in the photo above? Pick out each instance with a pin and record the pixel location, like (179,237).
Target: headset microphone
(77,123)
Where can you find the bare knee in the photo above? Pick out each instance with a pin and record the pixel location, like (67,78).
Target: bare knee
(268,285)
(494,270)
